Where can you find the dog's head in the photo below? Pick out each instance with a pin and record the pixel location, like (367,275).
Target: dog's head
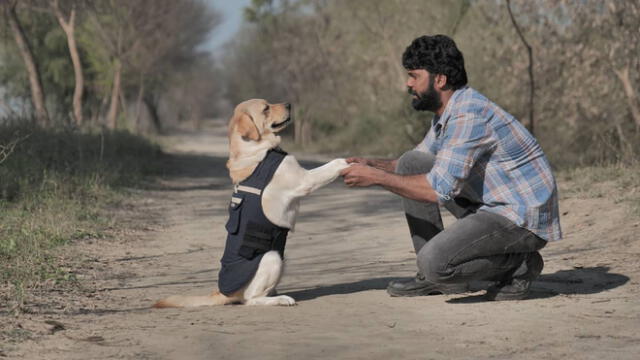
(256,119)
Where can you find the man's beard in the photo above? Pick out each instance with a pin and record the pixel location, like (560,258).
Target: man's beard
(427,101)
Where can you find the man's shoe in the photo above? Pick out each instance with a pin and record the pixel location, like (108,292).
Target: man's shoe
(516,286)
(419,286)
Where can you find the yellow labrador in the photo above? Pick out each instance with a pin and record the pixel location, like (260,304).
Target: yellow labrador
(253,132)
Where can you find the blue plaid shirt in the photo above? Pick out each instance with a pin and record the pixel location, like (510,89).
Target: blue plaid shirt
(486,156)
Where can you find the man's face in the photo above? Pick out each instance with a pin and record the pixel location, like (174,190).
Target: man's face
(420,84)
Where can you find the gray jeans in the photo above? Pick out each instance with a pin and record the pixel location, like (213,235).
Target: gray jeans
(479,246)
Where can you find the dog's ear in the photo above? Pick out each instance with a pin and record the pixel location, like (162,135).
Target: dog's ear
(246,127)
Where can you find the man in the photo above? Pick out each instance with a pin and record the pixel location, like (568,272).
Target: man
(484,167)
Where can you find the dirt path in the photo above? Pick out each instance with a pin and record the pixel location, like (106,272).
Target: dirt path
(348,245)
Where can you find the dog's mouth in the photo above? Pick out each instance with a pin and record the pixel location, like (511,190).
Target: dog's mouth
(281,125)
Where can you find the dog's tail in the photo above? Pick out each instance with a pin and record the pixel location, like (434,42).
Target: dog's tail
(177,301)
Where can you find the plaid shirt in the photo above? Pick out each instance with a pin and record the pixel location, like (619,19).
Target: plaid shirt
(485,155)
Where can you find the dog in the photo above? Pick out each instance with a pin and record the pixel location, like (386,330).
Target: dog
(254,156)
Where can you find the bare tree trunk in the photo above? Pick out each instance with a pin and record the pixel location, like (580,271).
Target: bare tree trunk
(388,42)
(139,101)
(297,125)
(123,105)
(115,95)
(37,92)
(97,116)
(69,29)
(464,8)
(297,131)
(302,130)
(626,148)
(629,91)
(531,80)
(306,133)
(153,113)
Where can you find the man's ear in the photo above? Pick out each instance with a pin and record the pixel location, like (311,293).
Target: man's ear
(440,82)
(246,127)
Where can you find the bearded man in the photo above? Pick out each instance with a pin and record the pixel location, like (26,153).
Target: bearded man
(484,167)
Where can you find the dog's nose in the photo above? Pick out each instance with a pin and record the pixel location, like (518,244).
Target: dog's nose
(288,106)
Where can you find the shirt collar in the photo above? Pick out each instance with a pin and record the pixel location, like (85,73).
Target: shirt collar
(447,110)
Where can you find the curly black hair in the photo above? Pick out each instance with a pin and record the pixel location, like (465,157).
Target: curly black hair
(437,54)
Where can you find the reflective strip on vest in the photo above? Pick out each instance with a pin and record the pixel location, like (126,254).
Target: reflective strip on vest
(248,189)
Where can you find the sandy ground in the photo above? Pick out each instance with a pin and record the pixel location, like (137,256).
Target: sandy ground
(348,245)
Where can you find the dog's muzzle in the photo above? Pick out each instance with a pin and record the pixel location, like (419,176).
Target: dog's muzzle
(281,124)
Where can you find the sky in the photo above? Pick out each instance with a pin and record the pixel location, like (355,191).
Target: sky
(231,11)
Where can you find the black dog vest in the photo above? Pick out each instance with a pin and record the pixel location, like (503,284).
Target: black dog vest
(249,233)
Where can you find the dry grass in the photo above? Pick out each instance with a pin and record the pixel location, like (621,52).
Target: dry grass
(617,182)
(54,189)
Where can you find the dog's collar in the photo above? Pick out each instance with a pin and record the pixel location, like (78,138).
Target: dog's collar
(278,149)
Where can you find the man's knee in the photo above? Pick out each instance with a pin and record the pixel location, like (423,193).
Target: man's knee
(432,265)
(414,162)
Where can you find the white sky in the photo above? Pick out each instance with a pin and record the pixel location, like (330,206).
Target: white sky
(232,18)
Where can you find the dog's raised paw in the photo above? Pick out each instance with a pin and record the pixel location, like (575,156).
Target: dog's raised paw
(340,163)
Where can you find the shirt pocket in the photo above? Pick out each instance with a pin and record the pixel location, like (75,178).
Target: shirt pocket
(235,211)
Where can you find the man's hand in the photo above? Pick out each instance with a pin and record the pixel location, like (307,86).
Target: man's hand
(415,187)
(388,165)
(357,160)
(361,175)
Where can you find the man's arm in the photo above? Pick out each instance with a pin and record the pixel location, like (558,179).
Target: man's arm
(414,187)
(388,165)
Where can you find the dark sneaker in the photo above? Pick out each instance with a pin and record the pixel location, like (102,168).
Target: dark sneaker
(516,286)
(419,286)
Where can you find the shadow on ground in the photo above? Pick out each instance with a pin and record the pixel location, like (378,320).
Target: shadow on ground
(588,280)
(583,281)
(340,289)
(564,282)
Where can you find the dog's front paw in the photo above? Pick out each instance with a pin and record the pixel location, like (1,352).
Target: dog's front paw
(340,163)
(284,300)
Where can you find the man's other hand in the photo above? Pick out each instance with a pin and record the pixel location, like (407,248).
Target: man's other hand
(361,175)
(357,160)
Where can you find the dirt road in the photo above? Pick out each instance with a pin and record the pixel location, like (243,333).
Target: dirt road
(347,246)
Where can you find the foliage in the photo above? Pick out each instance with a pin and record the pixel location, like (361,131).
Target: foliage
(619,183)
(157,43)
(339,63)
(55,185)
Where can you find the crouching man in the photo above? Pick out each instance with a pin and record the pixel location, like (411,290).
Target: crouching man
(484,167)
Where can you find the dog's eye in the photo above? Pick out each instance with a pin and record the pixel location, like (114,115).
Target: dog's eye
(266,109)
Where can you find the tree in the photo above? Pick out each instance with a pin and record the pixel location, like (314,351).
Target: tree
(623,21)
(172,32)
(140,41)
(35,82)
(109,20)
(68,24)
(530,68)
(339,62)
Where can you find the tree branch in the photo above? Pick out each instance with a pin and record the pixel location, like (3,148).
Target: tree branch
(6,150)
(531,80)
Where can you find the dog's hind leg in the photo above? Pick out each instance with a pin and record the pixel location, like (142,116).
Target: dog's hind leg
(265,281)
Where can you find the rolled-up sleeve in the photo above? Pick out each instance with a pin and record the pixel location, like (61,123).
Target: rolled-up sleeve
(466,138)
